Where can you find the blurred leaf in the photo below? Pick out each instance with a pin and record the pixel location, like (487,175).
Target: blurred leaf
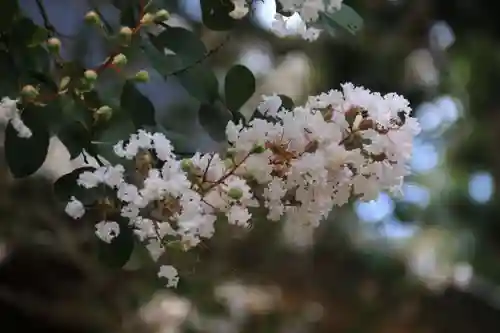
(287,102)
(182,42)
(214,121)
(66,186)
(215,14)
(26,155)
(8,14)
(239,86)
(137,105)
(186,64)
(75,137)
(345,20)
(9,82)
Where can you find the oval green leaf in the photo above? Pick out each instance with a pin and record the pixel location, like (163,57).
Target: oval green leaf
(26,155)
(139,107)
(239,86)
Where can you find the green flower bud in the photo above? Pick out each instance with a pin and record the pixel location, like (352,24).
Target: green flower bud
(148,18)
(29,93)
(120,60)
(90,75)
(104,112)
(162,15)
(141,76)
(235,193)
(258,149)
(125,35)
(187,165)
(54,45)
(92,18)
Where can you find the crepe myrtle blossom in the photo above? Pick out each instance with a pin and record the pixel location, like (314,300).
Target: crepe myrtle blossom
(296,164)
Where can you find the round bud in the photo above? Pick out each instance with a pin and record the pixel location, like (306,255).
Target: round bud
(90,75)
(54,45)
(119,60)
(162,15)
(92,18)
(141,76)
(186,165)
(125,35)
(258,149)
(104,112)
(29,93)
(235,193)
(148,18)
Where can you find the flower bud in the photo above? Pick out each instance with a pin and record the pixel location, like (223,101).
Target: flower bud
(141,76)
(54,45)
(92,18)
(187,165)
(162,15)
(90,75)
(120,60)
(258,149)
(125,35)
(29,93)
(104,113)
(148,18)
(235,193)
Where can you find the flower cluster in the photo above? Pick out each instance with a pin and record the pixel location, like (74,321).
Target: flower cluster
(304,12)
(9,111)
(297,164)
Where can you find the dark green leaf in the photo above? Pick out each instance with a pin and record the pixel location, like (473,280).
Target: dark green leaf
(215,14)
(137,105)
(345,20)
(75,137)
(182,42)
(118,252)
(287,102)
(214,121)
(26,155)
(66,186)
(8,14)
(9,82)
(239,86)
(197,79)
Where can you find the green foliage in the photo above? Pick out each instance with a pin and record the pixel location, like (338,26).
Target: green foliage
(36,147)
(215,14)
(343,21)
(239,86)
(140,109)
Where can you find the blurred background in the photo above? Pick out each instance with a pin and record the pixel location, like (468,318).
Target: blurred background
(428,262)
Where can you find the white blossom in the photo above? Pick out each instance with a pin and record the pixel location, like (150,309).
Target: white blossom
(75,208)
(107,230)
(170,273)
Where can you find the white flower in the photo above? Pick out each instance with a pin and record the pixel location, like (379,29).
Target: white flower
(107,230)
(75,208)
(9,110)
(170,273)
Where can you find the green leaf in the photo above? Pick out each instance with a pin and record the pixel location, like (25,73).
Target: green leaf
(137,105)
(239,86)
(118,252)
(66,186)
(9,82)
(182,42)
(119,127)
(187,64)
(215,14)
(8,14)
(75,137)
(214,121)
(26,155)
(345,20)
(287,102)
